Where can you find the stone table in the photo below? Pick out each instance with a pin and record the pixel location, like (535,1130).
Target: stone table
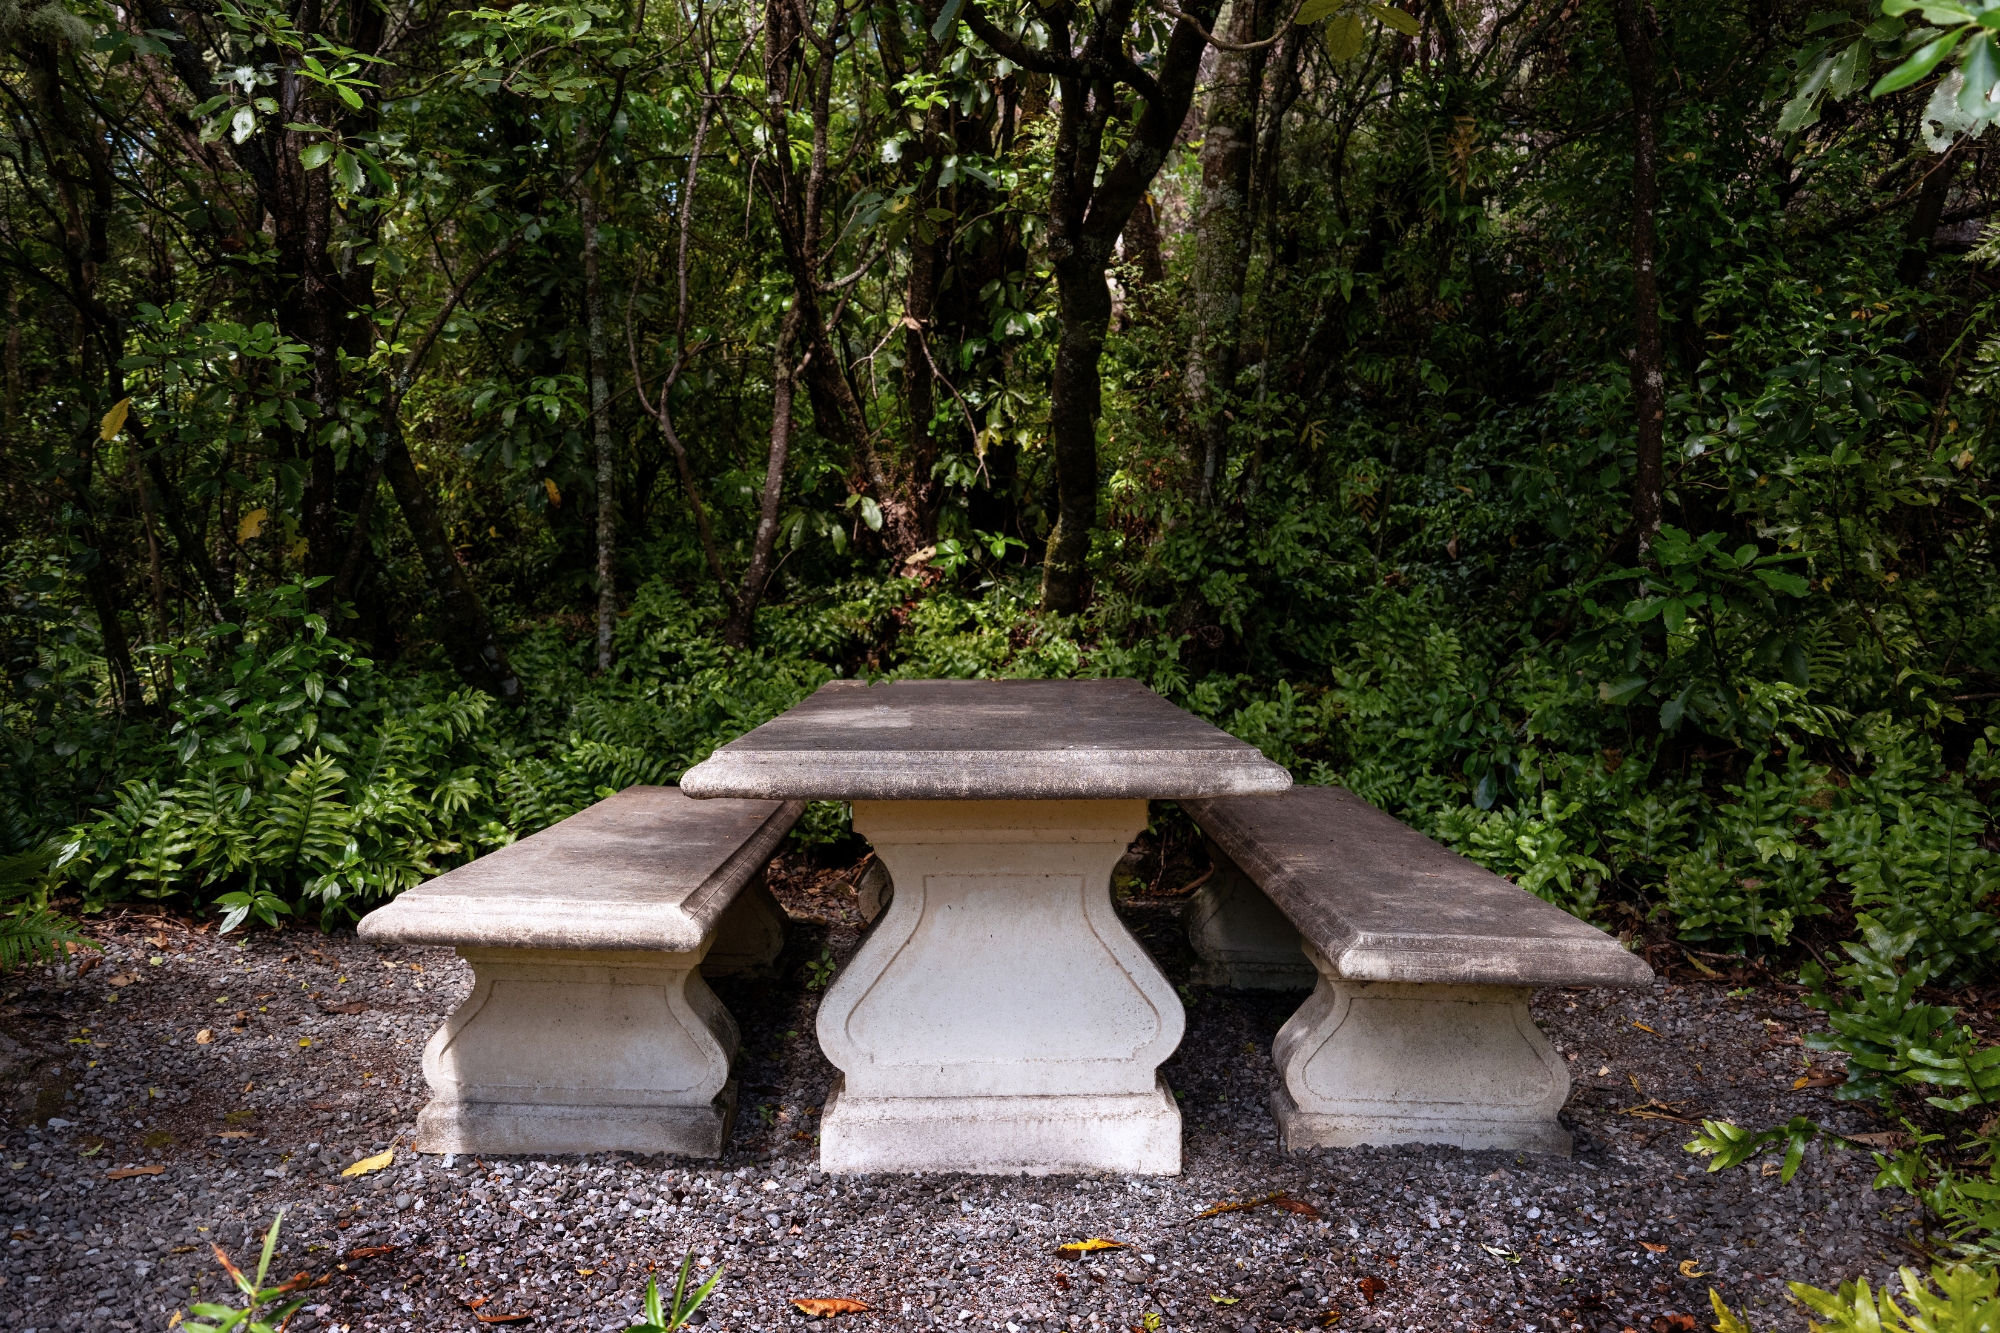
(999,1017)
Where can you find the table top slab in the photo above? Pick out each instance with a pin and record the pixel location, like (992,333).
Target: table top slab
(1385,903)
(990,740)
(645,869)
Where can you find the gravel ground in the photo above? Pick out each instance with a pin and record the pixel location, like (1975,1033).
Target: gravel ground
(244,1073)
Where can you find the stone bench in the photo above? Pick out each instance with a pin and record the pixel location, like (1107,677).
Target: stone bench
(590,1027)
(1418,1028)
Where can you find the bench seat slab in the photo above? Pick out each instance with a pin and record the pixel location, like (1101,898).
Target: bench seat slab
(572,1050)
(999,1017)
(1385,1062)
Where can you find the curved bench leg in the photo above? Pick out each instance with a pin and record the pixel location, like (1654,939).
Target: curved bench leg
(749,936)
(1241,937)
(562,1051)
(1383,1062)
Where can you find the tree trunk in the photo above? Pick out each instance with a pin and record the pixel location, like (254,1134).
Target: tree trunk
(742,620)
(1649,367)
(1087,212)
(466,629)
(1224,225)
(1141,239)
(1923,224)
(600,418)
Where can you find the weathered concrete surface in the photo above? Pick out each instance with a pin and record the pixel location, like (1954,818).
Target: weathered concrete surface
(1387,1062)
(1242,939)
(575,1050)
(1418,1030)
(645,869)
(589,1027)
(999,1017)
(984,740)
(1385,903)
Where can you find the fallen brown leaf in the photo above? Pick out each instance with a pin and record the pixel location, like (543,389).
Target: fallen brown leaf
(1886,1138)
(475,1302)
(1819,1081)
(502,1318)
(1371,1287)
(1291,1205)
(1239,1205)
(1062,1282)
(348,1007)
(370,1251)
(1076,1249)
(1674,1323)
(127,1172)
(234,1134)
(1652,1248)
(120,979)
(1329,1319)
(825,1307)
(203,1037)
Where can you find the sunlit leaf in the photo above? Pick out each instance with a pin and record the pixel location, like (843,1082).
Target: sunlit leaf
(825,1307)
(367,1164)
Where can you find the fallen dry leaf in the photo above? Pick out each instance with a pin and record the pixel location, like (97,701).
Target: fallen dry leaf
(346,1007)
(126,1172)
(825,1307)
(370,1251)
(204,1037)
(1062,1282)
(475,1302)
(1239,1205)
(1371,1287)
(1291,1205)
(1076,1249)
(1674,1323)
(1643,1028)
(1329,1319)
(234,1134)
(1222,1300)
(501,1318)
(1819,1081)
(1688,1269)
(1886,1138)
(375,1163)
(586,1272)
(1652,1248)
(120,979)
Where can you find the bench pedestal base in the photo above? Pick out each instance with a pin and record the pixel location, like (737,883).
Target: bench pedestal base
(999,1017)
(1243,940)
(501,1128)
(1399,1062)
(572,1051)
(1132,1134)
(749,936)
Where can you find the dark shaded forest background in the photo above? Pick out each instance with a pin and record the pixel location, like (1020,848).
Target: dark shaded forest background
(1564,422)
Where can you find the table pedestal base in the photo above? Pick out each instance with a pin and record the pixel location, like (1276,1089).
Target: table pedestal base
(1382,1062)
(570,1051)
(999,1017)
(1132,1134)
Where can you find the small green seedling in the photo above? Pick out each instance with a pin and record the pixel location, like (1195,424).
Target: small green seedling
(666,1319)
(222,1319)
